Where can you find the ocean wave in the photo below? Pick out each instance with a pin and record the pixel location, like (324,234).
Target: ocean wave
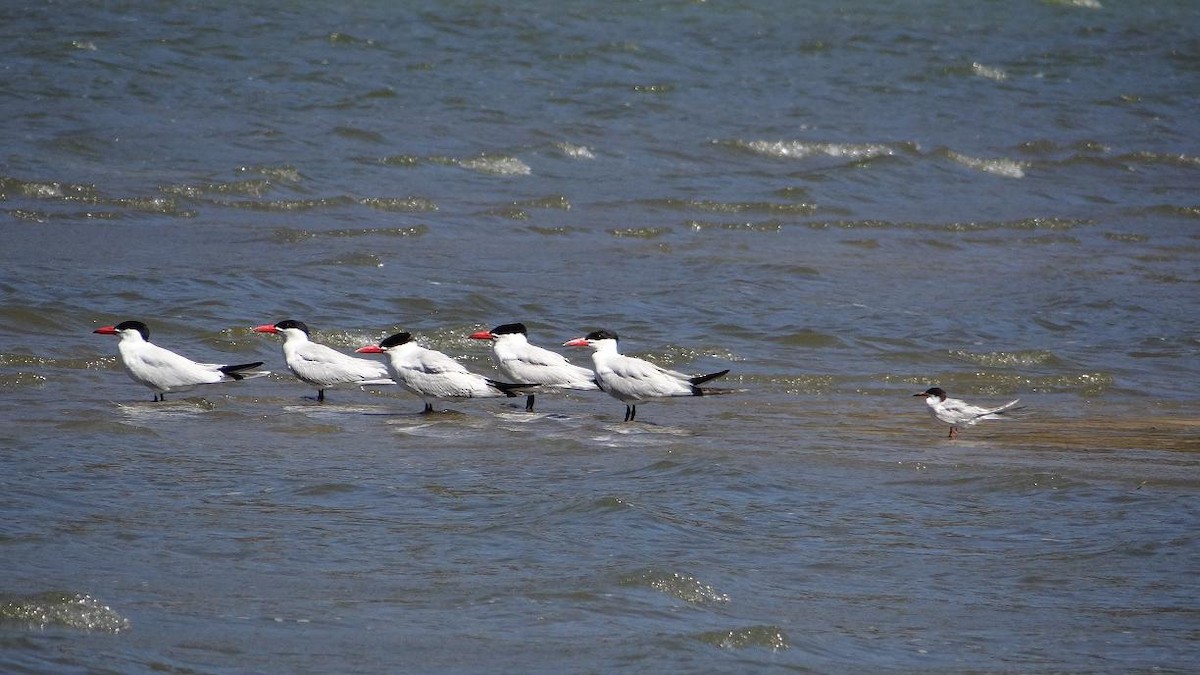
(1007,383)
(989,72)
(255,187)
(283,173)
(767,637)
(764,226)
(500,166)
(680,586)
(508,212)
(1171,210)
(403,204)
(30,361)
(1001,167)
(575,151)
(1033,224)
(518,209)
(354,260)
(805,149)
(550,202)
(713,206)
(15,380)
(289,205)
(1083,4)
(64,610)
(291,235)
(1091,152)
(1033,357)
(554,230)
(87,195)
(1147,158)
(640,232)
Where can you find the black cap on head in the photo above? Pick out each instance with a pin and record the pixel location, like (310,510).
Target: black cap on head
(289,323)
(602,335)
(935,391)
(135,325)
(509,329)
(395,340)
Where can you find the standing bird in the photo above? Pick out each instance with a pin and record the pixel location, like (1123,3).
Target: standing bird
(959,413)
(520,361)
(433,375)
(632,380)
(165,371)
(321,366)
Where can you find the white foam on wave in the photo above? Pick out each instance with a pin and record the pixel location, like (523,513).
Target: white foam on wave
(500,166)
(990,72)
(803,149)
(575,151)
(1008,168)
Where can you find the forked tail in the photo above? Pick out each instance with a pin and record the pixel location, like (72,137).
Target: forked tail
(1005,411)
(697,390)
(235,372)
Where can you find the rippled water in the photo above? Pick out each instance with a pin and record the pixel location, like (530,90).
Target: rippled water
(843,204)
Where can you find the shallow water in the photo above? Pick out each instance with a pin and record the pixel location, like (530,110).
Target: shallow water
(843,205)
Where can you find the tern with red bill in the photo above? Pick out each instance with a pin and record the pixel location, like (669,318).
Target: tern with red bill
(520,361)
(958,413)
(164,371)
(632,380)
(321,366)
(433,375)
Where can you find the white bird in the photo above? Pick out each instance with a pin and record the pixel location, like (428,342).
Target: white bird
(433,375)
(632,380)
(520,361)
(165,371)
(958,413)
(321,366)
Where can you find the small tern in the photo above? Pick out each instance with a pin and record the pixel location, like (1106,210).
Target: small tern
(520,361)
(958,413)
(632,380)
(322,366)
(164,371)
(433,375)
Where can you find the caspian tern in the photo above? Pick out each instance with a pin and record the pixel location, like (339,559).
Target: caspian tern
(520,361)
(959,413)
(165,371)
(433,375)
(632,380)
(321,366)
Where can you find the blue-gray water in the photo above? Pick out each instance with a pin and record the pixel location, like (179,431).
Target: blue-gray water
(844,203)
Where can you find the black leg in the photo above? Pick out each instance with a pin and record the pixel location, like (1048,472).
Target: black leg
(320,396)
(428,409)
(630,412)
(529,403)
(159,397)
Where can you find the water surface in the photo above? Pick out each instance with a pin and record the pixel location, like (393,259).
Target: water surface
(844,205)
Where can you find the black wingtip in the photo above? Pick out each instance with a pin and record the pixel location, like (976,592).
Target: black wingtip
(235,371)
(701,379)
(512,389)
